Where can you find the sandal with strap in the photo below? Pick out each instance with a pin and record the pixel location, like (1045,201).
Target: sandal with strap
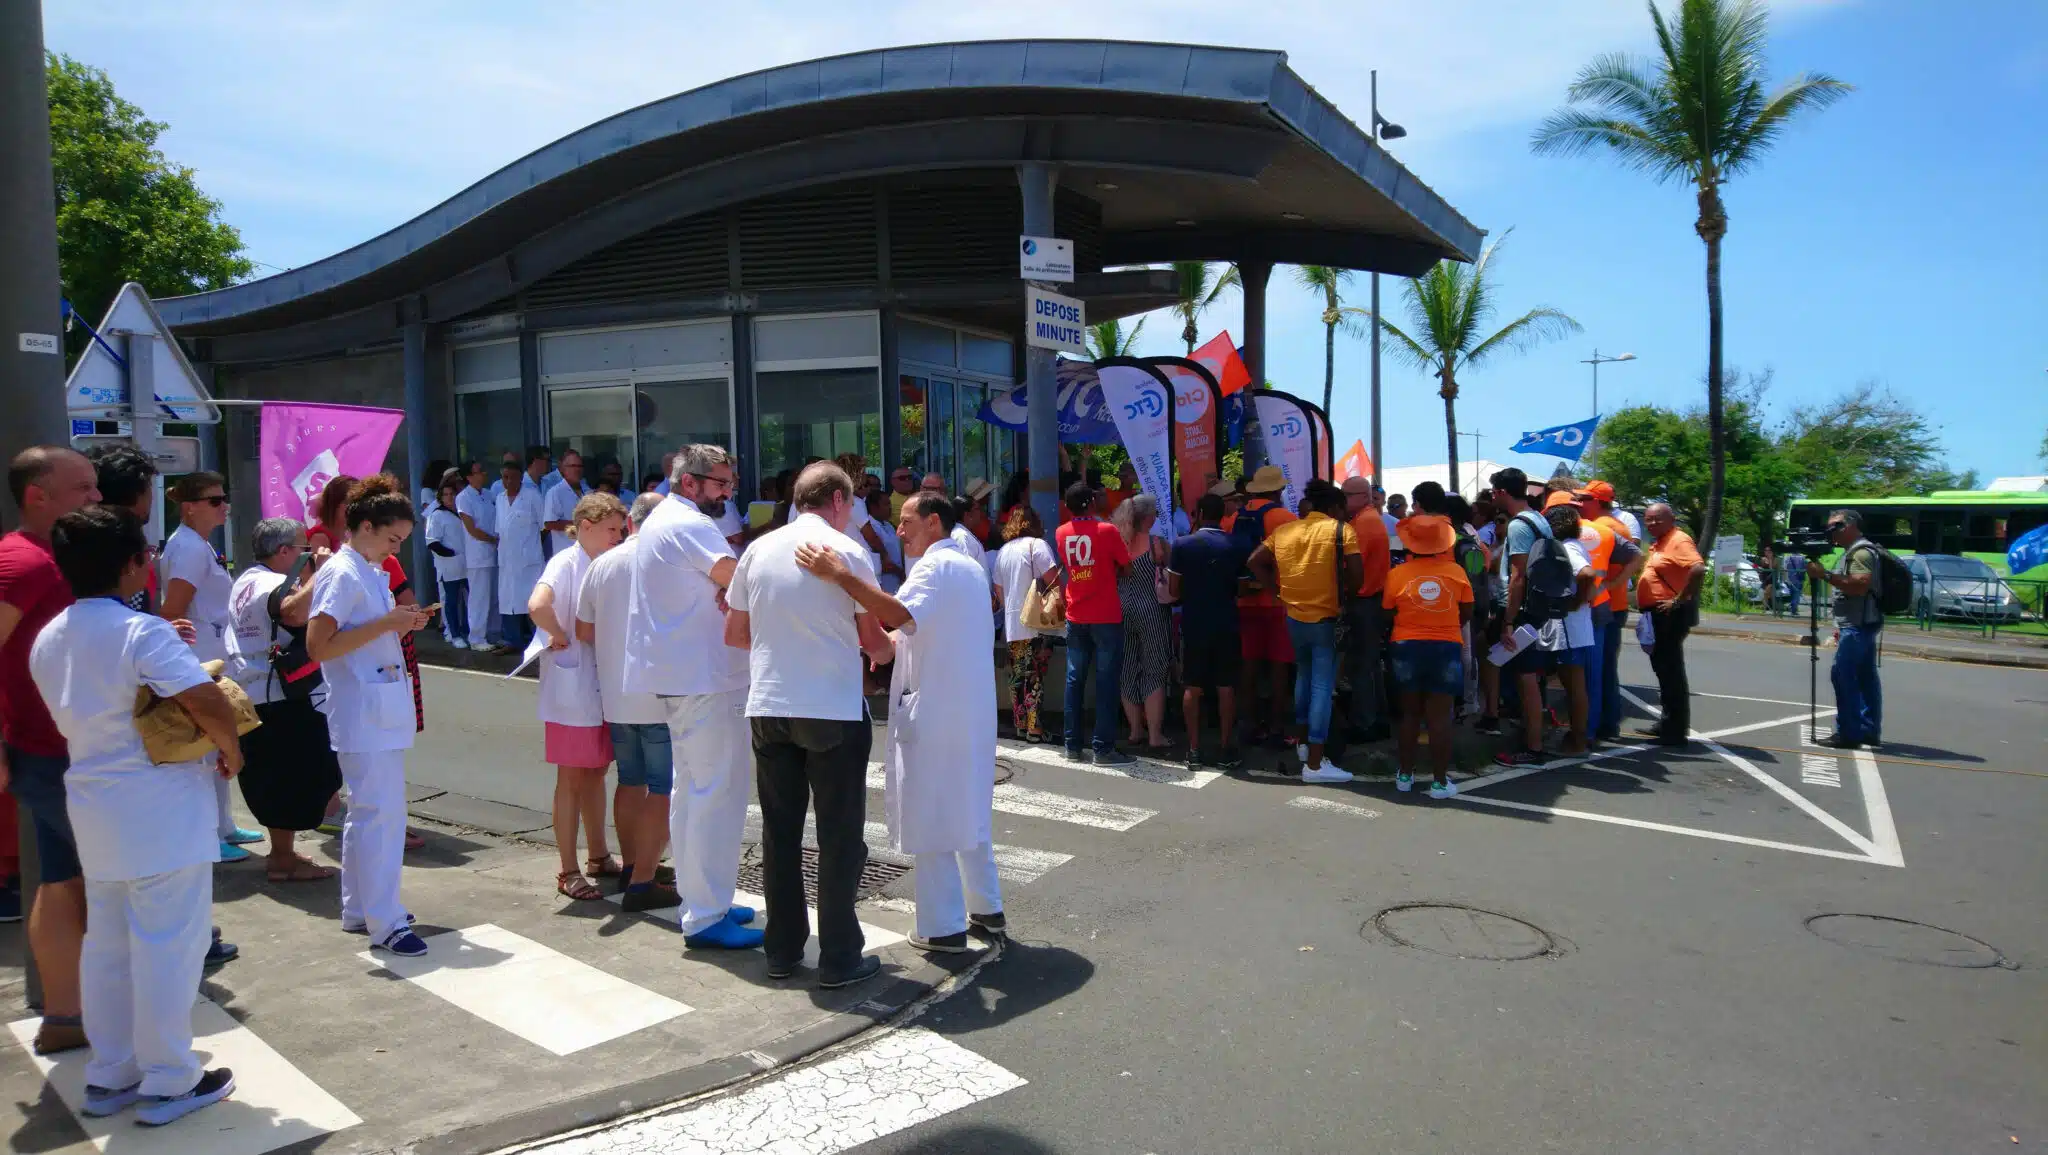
(606,867)
(572,884)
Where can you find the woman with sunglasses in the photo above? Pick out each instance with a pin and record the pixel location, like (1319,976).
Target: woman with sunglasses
(195,584)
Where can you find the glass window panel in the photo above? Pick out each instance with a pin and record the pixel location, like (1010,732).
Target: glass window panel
(915,342)
(941,423)
(488,424)
(814,413)
(973,437)
(986,355)
(672,414)
(816,338)
(1006,455)
(704,342)
(498,362)
(597,423)
(910,411)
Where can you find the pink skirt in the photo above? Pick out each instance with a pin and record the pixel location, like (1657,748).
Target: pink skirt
(580,746)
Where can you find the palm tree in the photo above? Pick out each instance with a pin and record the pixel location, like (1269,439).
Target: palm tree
(1108,339)
(1698,113)
(1447,306)
(1198,291)
(1328,281)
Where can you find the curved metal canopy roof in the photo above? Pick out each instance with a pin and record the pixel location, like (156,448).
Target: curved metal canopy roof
(1193,152)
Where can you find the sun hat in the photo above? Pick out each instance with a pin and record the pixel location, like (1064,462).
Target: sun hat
(979,489)
(1224,487)
(1268,479)
(1426,533)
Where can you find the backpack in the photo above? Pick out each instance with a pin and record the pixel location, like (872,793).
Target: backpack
(1551,586)
(1471,559)
(1893,589)
(1248,532)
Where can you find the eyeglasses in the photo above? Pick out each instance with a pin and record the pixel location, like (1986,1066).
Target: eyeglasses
(217,500)
(708,479)
(1837,526)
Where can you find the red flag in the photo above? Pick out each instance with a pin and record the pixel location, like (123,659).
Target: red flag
(1356,462)
(1220,358)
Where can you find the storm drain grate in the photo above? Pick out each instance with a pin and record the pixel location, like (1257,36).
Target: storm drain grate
(873,877)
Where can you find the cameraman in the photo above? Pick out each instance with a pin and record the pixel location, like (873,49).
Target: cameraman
(1859,699)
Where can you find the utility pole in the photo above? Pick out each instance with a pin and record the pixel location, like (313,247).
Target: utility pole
(1382,129)
(1475,436)
(31,326)
(1596,360)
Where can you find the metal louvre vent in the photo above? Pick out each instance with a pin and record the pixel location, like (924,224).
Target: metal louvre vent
(954,232)
(1079,219)
(815,237)
(679,259)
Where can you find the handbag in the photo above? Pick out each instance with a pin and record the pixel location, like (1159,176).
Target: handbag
(168,732)
(1045,608)
(292,668)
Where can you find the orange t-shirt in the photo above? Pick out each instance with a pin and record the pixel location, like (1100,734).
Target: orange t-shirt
(1373,551)
(1274,518)
(1425,594)
(1668,570)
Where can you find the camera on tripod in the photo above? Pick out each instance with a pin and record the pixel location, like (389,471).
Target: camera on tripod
(1805,542)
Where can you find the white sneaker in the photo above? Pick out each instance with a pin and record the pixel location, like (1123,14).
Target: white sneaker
(1301,753)
(1326,773)
(458,643)
(1443,790)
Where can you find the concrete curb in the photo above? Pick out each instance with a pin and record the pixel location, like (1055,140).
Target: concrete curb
(2006,659)
(903,992)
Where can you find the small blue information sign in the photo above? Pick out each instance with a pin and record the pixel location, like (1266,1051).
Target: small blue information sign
(81,427)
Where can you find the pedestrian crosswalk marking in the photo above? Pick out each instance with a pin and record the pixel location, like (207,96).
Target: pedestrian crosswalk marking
(1819,770)
(898,1080)
(1015,864)
(1330,806)
(876,937)
(1144,769)
(274,1104)
(1029,803)
(533,991)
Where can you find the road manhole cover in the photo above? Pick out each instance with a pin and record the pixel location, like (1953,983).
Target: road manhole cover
(873,876)
(1904,940)
(1005,771)
(1465,932)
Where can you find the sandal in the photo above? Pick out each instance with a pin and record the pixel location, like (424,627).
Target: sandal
(414,840)
(1039,738)
(605,867)
(301,870)
(572,884)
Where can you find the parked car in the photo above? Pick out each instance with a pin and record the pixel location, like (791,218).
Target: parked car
(1949,586)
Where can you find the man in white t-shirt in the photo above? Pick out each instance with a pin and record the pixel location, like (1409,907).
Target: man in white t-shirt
(477,506)
(638,723)
(808,712)
(558,502)
(675,649)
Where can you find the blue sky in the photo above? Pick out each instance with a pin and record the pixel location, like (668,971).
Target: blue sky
(1894,238)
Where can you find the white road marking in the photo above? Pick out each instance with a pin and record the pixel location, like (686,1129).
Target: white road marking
(1013,863)
(1013,799)
(1144,769)
(533,991)
(1639,824)
(1819,770)
(1604,753)
(274,1104)
(1330,806)
(899,1080)
(1740,698)
(876,937)
(1884,833)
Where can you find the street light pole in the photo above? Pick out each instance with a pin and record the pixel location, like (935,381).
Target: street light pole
(1382,129)
(1475,436)
(1596,360)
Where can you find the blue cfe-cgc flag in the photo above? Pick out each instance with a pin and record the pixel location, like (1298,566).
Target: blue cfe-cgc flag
(2028,550)
(1566,441)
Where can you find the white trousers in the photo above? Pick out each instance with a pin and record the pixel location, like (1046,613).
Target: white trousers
(224,806)
(952,882)
(138,974)
(707,815)
(483,615)
(373,842)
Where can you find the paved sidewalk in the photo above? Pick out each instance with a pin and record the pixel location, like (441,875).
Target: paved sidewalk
(532,1015)
(1905,639)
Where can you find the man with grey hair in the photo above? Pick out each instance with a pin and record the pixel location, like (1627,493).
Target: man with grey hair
(675,649)
(1859,626)
(807,709)
(638,723)
(1668,594)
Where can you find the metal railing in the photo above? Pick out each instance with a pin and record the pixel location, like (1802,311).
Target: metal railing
(1977,604)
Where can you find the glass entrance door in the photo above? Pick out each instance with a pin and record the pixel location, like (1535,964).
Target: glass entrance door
(597,423)
(673,414)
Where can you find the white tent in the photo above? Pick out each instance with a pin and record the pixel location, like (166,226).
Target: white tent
(2018,485)
(1472,476)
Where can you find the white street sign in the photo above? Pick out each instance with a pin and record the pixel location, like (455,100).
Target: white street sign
(98,386)
(1045,259)
(39,343)
(1055,322)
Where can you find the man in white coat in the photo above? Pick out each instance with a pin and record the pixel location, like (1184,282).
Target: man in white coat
(478,509)
(940,761)
(520,558)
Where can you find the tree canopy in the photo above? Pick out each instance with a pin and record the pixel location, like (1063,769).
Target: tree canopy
(124,211)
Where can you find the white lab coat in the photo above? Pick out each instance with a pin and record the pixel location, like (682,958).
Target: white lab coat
(940,761)
(519,551)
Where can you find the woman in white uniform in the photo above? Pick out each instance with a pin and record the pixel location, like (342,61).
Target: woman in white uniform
(578,744)
(195,585)
(353,633)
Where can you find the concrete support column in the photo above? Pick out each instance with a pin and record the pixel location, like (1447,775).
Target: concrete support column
(1037,179)
(1254,275)
(530,399)
(417,420)
(746,443)
(31,379)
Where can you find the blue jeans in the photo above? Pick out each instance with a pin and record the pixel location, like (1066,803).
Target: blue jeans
(1859,698)
(1608,697)
(518,629)
(455,609)
(1102,646)
(1315,675)
(1596,669)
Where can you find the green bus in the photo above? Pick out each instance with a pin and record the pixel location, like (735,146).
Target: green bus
(1970,523)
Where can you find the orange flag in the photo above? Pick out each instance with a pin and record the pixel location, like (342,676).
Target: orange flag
(1220,358)
(1356,462)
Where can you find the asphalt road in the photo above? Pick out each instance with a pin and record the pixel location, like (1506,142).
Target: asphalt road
(1232,975)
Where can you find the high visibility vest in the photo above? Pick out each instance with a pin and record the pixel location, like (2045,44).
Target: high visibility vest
(1599,543)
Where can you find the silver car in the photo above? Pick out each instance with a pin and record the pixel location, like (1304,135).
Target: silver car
(1949,586)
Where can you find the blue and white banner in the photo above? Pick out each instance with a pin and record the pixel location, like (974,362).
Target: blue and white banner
(1287,436)
(1566,441)
(1142,408)
(1083,416)
(2028,550)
